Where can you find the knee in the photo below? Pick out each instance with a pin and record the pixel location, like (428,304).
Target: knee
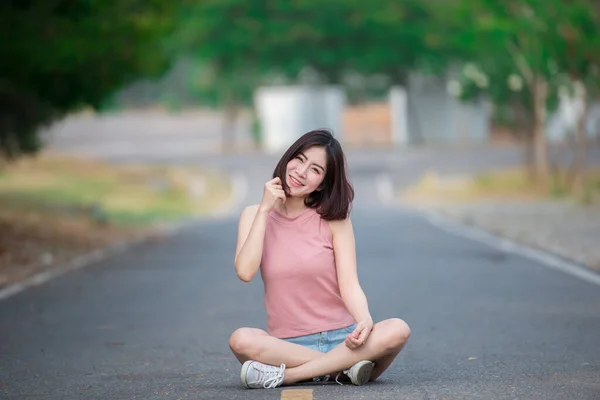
(397,334)
(241,342)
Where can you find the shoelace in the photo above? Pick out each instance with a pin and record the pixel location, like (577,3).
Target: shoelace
(338,375)
(275,375)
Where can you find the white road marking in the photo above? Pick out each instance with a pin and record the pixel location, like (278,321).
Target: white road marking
(510,246)
(73,265)
(239,191)
(385,188)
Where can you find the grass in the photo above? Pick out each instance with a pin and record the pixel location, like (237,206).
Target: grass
(516,182)
(123,195)
(505,184)
(54,208)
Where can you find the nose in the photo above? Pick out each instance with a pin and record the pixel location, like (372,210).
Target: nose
(302,170)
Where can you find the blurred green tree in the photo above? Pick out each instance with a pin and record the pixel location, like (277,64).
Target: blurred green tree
(280,39)
(69,54)
(244,44)
(578,54)
(61,55)
(514,53)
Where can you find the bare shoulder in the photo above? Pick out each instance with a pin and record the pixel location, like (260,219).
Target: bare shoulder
(341,226)
(245,222)
(249,212)
(251,209)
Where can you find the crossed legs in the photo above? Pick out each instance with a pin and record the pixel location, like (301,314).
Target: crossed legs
(383,345)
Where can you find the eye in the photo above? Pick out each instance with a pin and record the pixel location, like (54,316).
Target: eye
(316,170)
(299,158)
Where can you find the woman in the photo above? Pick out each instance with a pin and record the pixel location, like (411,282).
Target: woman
(301,238)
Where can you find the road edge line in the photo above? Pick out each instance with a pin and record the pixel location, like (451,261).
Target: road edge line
(508,245)
(238,192)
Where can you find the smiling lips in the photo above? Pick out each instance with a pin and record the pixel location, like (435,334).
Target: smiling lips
(295,182)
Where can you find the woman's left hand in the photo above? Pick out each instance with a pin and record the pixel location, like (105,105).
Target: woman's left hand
(360,334)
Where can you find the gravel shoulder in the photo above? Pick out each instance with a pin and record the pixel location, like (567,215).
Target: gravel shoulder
(565,229)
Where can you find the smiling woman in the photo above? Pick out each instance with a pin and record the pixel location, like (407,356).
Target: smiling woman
(301,239)
(317,163)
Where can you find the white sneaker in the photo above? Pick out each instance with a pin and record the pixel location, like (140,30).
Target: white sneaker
(255,375)
(359,373)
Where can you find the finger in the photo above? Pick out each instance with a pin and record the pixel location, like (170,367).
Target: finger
(363,336)
(350,344)
(356,341)
(276,180)
(277,193)
(360,337)
(353,340)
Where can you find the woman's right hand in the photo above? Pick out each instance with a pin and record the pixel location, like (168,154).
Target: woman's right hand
(273,191)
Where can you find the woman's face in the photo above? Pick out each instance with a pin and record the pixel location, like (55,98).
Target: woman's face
(305,172)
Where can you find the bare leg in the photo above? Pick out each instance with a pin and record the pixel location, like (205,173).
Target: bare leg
(258,345)
(384,344)
(383,363)
(387,338)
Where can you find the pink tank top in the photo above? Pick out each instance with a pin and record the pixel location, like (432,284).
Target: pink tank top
(299,275)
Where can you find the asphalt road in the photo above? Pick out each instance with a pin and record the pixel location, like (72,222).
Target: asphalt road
(153,322)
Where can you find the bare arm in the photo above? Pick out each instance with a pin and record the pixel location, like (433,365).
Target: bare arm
(352,294)
(251,234)
(251,231)
(345,258)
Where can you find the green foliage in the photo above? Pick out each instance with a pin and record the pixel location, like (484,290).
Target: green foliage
(244,43)
(62,55)
(59,56)
(577,53)
(509,45)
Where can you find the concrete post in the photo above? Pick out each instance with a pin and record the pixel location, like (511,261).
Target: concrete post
(399,116)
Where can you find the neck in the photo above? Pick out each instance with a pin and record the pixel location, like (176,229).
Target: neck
(292,206)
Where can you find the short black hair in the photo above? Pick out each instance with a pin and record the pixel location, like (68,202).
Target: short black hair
(335,195)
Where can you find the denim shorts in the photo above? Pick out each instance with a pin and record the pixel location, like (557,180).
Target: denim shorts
(323,341)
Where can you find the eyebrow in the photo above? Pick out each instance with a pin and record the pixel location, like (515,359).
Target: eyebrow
(317,165)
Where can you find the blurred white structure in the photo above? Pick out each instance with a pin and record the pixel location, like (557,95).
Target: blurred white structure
(563,122)
(287,112)
(423,112)
(398,101)
(435,115)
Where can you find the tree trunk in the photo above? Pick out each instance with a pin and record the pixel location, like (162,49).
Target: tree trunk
(540,150)
(230,113)
(524,134)
(529,157)
(8,143)
(228,133)
(579,165)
